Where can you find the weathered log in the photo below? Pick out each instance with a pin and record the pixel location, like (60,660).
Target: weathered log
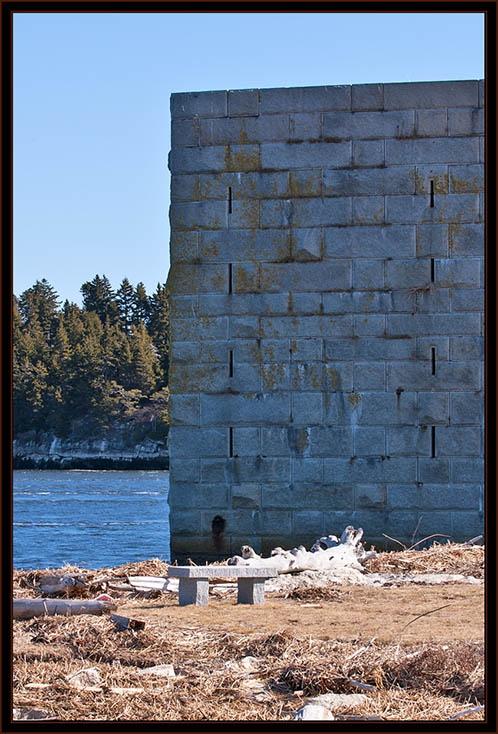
(68,584)
(326,553)
(27,608)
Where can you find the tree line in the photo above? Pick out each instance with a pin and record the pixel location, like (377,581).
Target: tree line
(91,366)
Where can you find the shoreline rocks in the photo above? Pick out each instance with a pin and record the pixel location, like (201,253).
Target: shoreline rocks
(118,448)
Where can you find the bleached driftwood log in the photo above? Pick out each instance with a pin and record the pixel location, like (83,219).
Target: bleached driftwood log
(27,608)
(327,553)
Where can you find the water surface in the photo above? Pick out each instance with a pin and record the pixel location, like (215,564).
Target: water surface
(89,518)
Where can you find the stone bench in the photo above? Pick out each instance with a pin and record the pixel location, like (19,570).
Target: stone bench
(193,584)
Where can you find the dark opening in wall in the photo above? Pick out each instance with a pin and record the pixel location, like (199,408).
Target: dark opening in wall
(218,524)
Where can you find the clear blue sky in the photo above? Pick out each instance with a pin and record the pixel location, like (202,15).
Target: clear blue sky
(91,114)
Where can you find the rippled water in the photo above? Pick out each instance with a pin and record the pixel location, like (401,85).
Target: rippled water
(89,518)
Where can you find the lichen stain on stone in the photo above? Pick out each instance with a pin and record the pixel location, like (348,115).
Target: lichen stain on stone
(205,190)
(209,250)
(368,300)
(269,353)
(440,183)
(298,440)
(242,160)
(465,186)
(306,375)
(272,374)
(243,137)
(244,281)
(218,283)
(306,187)
(454,230)
(333,378)
(182,278)
(378,216)
(354,398)
(248,211)
(187,378)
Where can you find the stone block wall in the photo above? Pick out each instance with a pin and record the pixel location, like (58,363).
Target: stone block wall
(326,314)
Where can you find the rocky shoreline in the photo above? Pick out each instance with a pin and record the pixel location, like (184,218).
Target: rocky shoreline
(117,449)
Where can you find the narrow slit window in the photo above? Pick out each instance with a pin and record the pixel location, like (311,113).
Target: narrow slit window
(432,193)
(230,278)
(433,442)
(433,360)
(432,270)
(230,441)
(230,359)
(229,199)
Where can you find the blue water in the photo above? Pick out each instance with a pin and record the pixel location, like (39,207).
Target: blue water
(89,518)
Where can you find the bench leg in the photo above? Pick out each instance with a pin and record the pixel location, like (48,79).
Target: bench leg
(250,591)
(193,591)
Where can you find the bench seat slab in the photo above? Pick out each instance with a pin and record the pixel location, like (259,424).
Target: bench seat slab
(221,572)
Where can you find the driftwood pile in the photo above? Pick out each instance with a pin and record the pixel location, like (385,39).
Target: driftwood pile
(326,554)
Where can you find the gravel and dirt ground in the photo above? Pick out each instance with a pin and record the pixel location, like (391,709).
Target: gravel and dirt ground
(416,652)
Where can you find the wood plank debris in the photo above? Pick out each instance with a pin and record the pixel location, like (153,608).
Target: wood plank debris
(124,623)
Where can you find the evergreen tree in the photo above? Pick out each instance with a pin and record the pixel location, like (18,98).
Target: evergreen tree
(159,327)
(40,303)
(141,305)
(98,296)
(73,323)
(144,360)
(125,302)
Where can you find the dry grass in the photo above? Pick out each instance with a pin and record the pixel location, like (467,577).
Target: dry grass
(412,682)
(467,560)
(418,681)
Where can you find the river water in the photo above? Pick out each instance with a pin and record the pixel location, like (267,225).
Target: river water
(91,519)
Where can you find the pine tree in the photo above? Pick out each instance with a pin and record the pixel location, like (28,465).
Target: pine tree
(141,305)
(144,360)
(40,303)
(98,296)
(159,327)
(125,301)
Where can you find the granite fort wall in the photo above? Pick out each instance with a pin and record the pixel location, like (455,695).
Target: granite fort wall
(326,314)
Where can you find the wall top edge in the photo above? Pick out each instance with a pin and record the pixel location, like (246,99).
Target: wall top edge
(328,86)
(341,97)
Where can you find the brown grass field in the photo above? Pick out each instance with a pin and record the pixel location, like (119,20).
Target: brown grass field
(419,648)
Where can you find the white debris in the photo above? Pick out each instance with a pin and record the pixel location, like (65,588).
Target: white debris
(166,670)
(313,712)
(86,678)
(333,701)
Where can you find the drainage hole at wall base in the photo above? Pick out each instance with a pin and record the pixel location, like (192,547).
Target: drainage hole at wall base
(218,525)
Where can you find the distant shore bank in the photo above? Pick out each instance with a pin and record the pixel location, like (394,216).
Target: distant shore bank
(97,463)
(119,448)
